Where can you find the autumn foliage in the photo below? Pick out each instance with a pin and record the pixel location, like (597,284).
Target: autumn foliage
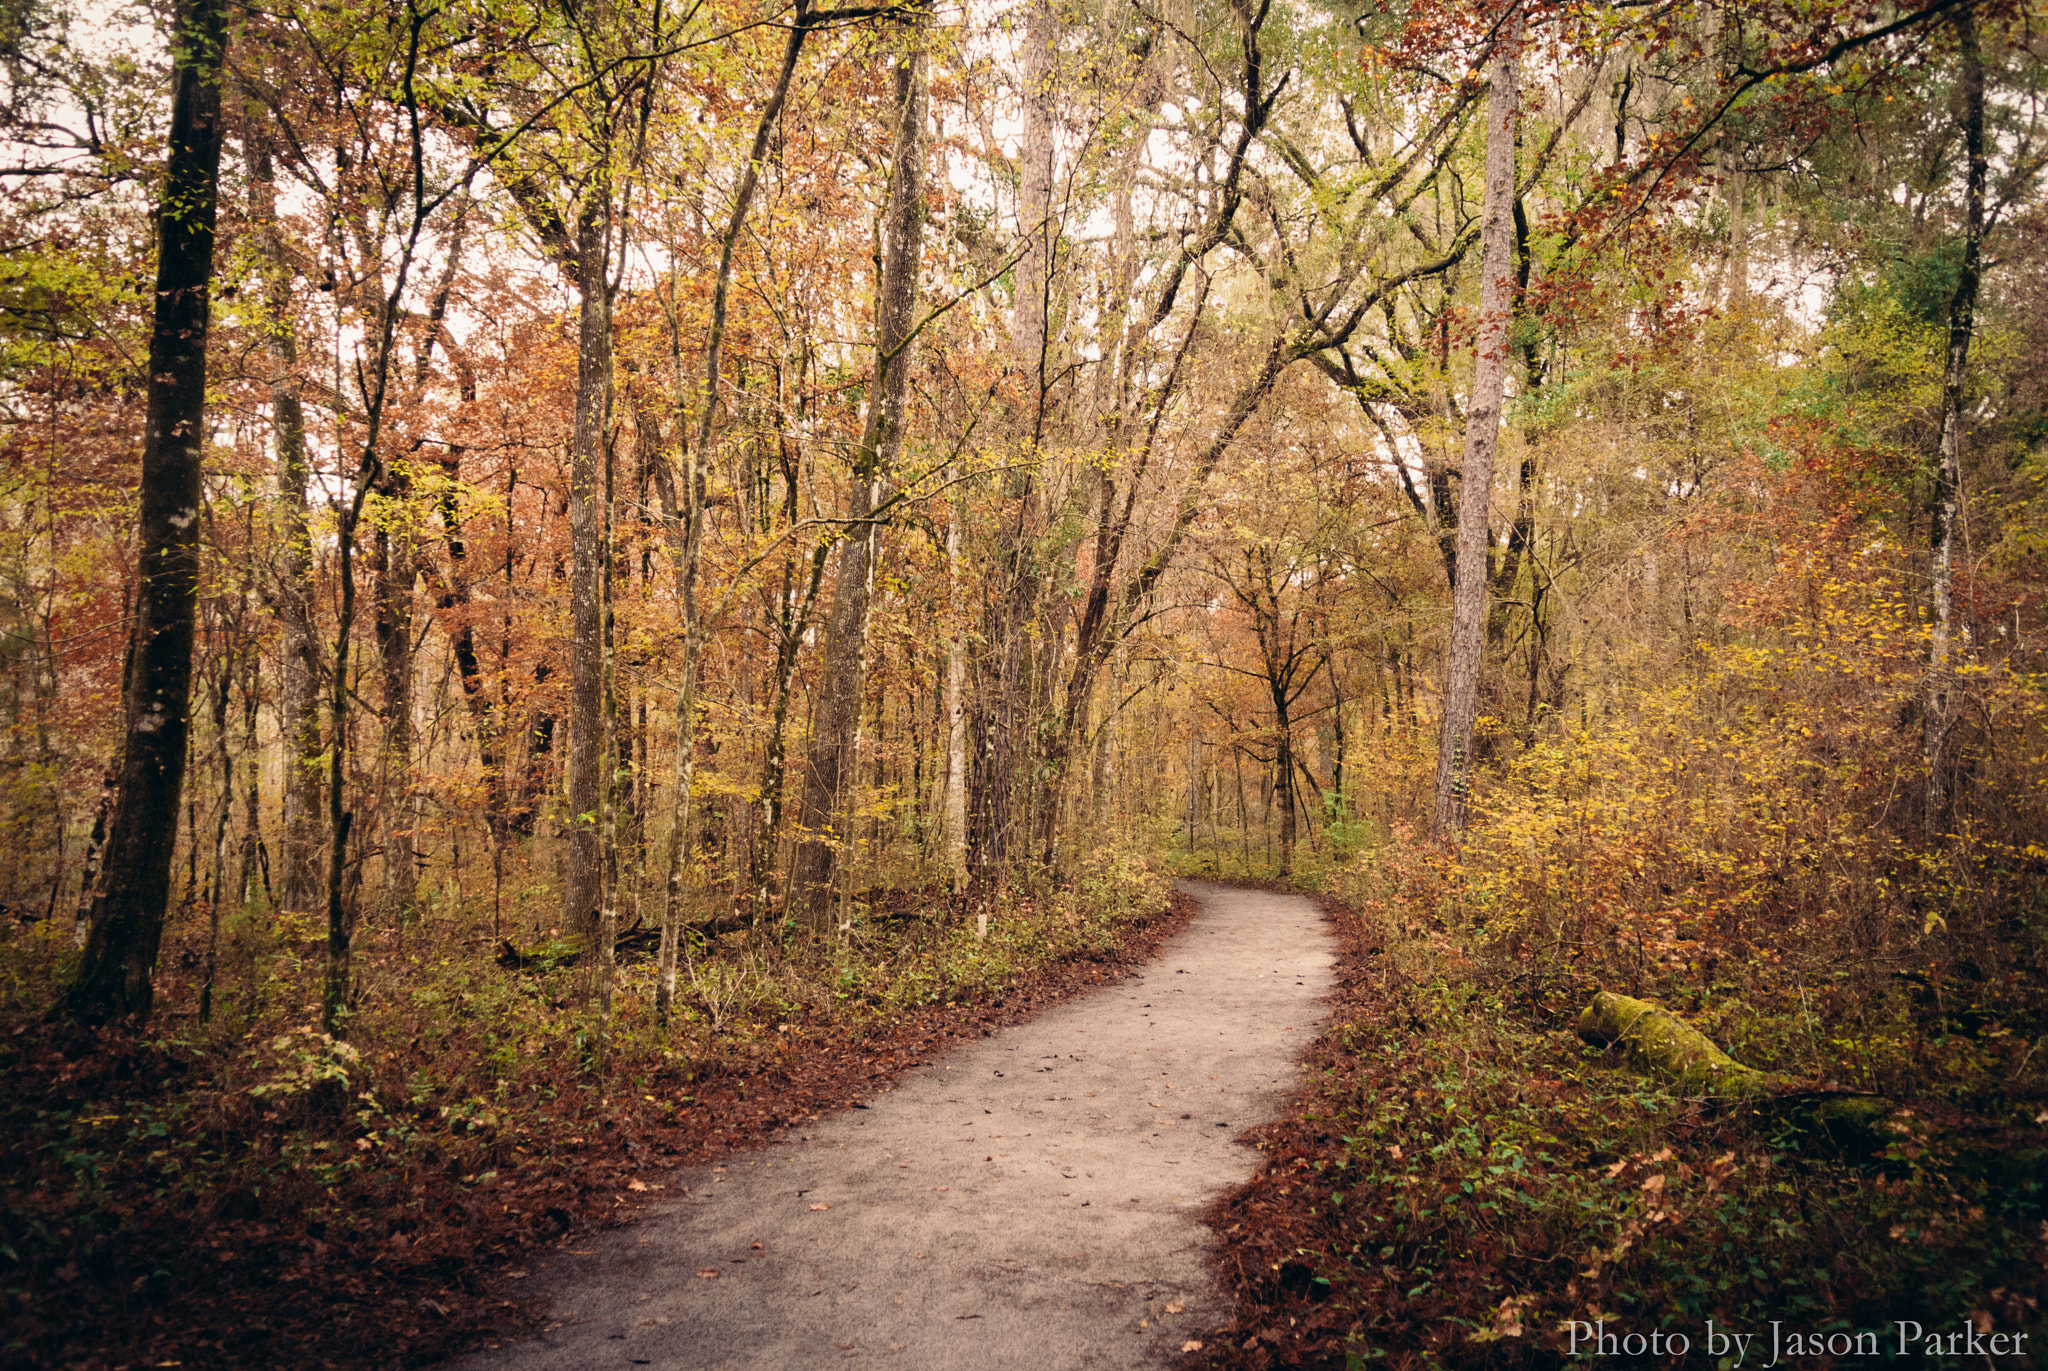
(734,534)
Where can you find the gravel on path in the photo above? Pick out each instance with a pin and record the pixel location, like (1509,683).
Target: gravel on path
(1029,1201)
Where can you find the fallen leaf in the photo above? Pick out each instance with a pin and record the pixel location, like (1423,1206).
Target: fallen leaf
(1191,1345)
(817,1207)
(636,1185)
(1176,1307)
(709,1273)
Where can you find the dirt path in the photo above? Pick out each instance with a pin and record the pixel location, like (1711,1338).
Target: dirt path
(1028,1202)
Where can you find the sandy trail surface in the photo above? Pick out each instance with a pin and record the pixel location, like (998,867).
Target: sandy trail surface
(1029,1201)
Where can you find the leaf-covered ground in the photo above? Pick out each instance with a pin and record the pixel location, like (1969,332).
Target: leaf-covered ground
(155,1208)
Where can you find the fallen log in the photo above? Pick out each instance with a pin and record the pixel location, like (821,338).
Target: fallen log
(640,940)
(1660,1044)
(635,941)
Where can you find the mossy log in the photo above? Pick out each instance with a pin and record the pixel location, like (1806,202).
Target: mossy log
(1661,1044)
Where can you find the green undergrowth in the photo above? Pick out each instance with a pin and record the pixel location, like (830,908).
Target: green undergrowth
(1469,1185)
(461,1089)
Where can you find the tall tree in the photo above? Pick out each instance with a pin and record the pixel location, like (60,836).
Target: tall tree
(298,702)
(1482,435)
(113,978)
(835,721)
(563,124)
(1948,477)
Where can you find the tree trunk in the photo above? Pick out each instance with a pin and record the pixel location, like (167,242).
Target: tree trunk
(954,808)
(298,698)
(113,977)
(582,886)
(1034,203)
(1522,532)
(835,720)
(1002,743)
(1283,781)
(395,569)
(1482,432)
(686,541)
(1948,480)
(252,794)
(791,627)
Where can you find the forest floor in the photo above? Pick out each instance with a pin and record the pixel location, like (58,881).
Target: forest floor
(1032,1199)
(111,1257)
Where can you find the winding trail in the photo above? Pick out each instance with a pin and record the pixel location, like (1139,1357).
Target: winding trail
(1029,1201)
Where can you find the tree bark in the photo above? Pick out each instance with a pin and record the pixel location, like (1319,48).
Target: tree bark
(395,566)
(582,886)
(1948,480)
(954,808)
(1482,434)
(1034,202)
(113,977)
(298,697)
(835,720)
